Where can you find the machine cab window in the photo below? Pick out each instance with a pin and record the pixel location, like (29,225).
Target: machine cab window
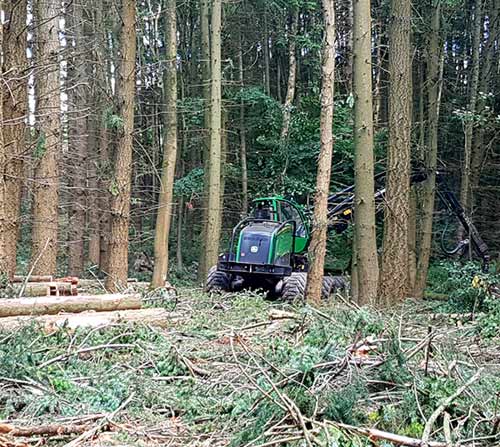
(264,210)
(289,212)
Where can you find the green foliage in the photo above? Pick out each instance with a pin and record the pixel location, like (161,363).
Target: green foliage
(110,120)
(190,184)
(489,322)
(341,404)
(456,281)
(40,147)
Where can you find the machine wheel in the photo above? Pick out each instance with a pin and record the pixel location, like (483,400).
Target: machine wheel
(217,281)
(294,286)
(339,283)
(327,287)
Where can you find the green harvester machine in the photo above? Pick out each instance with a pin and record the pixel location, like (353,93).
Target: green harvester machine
(268,249)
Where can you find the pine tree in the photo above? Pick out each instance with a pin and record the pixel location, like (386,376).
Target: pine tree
(15,106)
(47,152)
(393,286)
(121,183)
(317,249)
(164,215)
(214,203)
(365,248)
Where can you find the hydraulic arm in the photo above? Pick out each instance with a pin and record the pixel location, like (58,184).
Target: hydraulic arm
(341,204)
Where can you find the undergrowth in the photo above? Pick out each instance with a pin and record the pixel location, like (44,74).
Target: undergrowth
(464,288)
(337,365)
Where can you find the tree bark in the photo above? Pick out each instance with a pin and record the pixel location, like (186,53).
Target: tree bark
(15,106)
(92,196)
(412,240)
(93,20)
(52,305)
(434,76)
(180,223)
(4,273)
(393,286)
(290,91)
(121,186)
(243,139)
(48,109)
(365,248)
(206,81)
(214,212)
(317,248)
(471,109)
(165,202)
(267,75)
(292,78)
(486,71)
(78,98)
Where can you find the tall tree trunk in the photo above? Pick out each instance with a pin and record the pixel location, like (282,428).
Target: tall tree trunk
(471,108)
(486,71)
(164,215)
(3,217)
(92,195)
(206,76)
(214,212)
(47,92)
(78,140)
(104,197)
(394,278)
(92,22)
(278,78)
(15,106)
(180,223)
(267,75)
(412,240)
(121,186)
(243,139)
(349,47)
(317,248)
(292,77)
(290,91)
(377,93)
(364,229)
(103,136)
(434,78)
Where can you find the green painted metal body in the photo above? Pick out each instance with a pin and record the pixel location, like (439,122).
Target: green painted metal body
(283,243)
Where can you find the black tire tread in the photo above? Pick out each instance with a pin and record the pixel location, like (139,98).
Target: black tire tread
(295,286)
(217,281)
(327,287)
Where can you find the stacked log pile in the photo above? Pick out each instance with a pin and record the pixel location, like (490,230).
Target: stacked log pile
(47,286)
(54,303)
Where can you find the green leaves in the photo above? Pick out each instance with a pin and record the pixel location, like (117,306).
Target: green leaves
(41,146)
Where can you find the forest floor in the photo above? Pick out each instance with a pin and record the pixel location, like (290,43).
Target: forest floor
(237,369)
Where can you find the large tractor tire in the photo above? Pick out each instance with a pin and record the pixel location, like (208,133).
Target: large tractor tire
(328,287)
(332,284)
(294,286)
(217,281)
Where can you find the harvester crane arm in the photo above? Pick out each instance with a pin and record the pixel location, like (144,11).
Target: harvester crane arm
(341,206)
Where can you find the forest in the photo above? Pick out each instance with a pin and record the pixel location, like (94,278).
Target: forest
(249,223)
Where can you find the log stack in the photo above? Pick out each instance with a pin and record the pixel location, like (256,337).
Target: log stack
(46,285)
(53,303)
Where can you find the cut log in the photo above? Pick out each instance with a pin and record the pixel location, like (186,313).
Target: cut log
(71,279)
(34,289)
(52,305)
(37,289)
(154,317)
(33,278)
(43,430)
